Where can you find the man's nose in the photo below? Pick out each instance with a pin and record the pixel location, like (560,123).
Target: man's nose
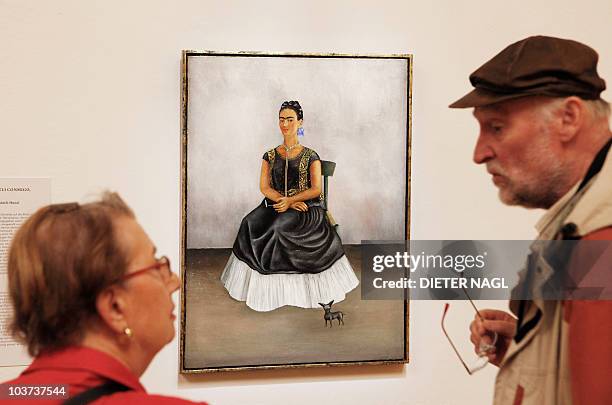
(482,151)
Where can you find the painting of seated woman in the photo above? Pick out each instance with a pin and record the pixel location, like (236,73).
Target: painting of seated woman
(286,251)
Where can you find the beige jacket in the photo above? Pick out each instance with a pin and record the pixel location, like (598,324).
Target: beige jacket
(536,371)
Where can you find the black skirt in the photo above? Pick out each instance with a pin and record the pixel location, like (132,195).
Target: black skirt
(289,242)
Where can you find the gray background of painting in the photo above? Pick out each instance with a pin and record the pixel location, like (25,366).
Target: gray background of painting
(355,113)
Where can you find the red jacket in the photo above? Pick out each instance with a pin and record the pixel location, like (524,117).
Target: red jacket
(590,334)
(80,369)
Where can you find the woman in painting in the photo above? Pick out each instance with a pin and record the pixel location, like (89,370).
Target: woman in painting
(286,252)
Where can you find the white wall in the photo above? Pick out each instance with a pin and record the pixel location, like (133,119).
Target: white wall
(89,95)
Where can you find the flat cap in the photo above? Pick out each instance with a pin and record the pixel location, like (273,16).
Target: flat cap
(536,66)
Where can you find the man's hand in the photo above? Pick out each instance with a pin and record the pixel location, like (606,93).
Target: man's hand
(496,321)
(299,206)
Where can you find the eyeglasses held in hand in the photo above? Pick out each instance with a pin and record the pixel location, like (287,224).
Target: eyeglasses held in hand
(484,349)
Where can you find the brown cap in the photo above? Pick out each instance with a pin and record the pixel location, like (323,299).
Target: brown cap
(536,66)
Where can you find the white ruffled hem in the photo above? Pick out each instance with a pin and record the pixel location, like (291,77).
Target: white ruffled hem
(263,292)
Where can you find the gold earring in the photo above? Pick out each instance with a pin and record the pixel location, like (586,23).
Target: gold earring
(128,332)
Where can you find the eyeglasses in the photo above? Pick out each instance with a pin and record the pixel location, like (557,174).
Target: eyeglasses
(162,265)
(484,349)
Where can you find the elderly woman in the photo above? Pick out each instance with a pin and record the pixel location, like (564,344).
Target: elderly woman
(286,252)
(92,302)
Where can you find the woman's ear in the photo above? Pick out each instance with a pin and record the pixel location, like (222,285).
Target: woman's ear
(572,112)
(111,305)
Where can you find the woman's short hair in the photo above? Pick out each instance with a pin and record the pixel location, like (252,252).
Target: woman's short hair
(293,105)
(60,259)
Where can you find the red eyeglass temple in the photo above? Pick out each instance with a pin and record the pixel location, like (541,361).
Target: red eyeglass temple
(446,307)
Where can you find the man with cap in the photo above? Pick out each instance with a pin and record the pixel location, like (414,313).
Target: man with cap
(545,139)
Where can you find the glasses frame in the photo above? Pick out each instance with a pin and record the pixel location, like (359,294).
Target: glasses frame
(158,265)
(483,350)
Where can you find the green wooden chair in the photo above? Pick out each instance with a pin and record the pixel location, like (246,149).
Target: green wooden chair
(327,170)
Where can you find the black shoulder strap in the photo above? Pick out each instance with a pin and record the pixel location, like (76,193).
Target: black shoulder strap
(597,164)
(94,393)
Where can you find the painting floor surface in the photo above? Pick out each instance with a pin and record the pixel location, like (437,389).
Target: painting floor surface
(223,332)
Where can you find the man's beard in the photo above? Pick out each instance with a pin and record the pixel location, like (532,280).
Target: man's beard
(542,190)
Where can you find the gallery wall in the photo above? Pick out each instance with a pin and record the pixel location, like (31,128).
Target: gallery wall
(90,97)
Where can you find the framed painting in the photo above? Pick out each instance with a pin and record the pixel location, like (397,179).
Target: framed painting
(289,163)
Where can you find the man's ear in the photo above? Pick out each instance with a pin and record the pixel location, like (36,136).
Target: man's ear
(572,112)
(111,305)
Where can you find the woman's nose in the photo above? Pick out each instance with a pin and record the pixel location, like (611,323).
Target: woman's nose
(174,283)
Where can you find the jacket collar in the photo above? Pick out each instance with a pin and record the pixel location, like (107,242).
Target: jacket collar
(87,360)
(594,209)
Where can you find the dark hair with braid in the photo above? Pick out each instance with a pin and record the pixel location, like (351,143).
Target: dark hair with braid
(293,105)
